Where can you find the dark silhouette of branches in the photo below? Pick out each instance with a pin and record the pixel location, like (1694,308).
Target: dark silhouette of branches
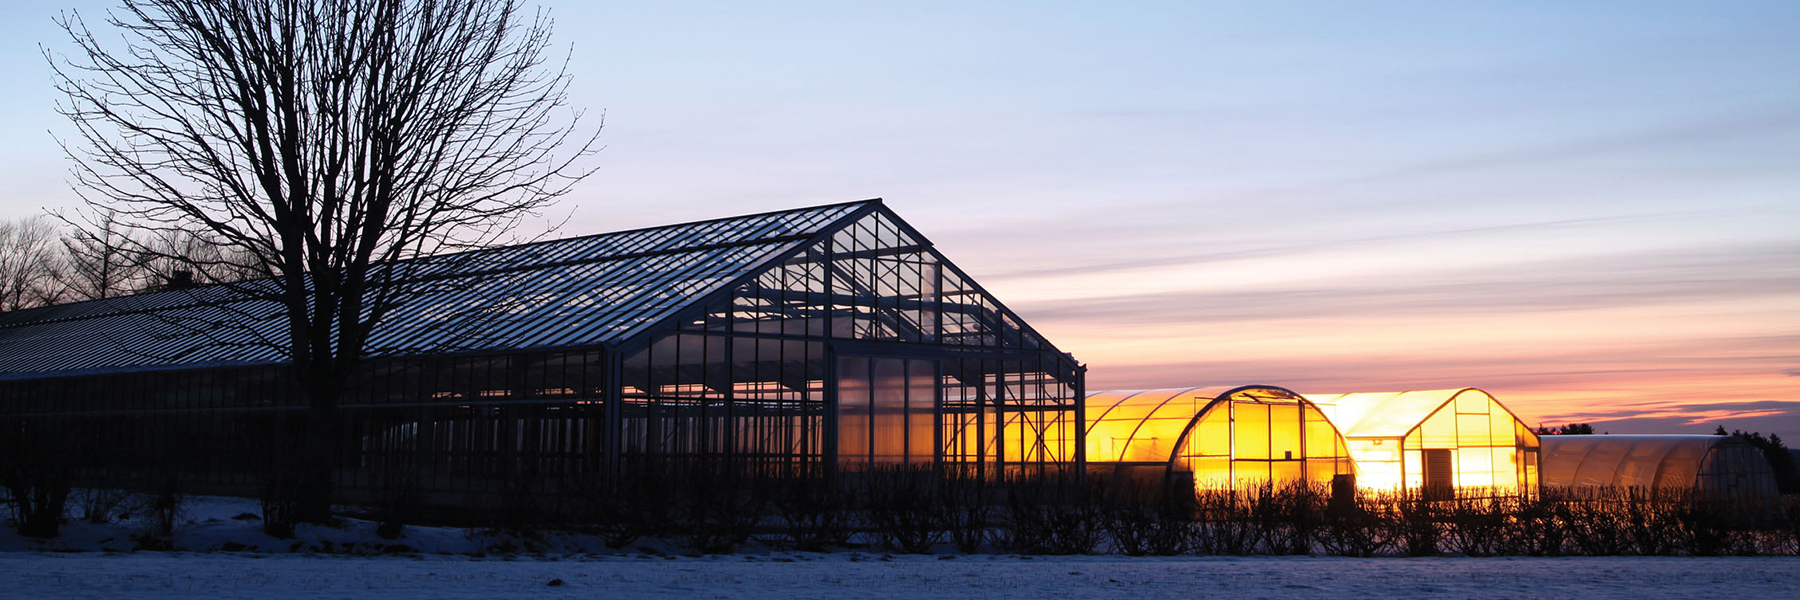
(101,261)
(29,263)
(317,144)
(1567,429)
(1781,461)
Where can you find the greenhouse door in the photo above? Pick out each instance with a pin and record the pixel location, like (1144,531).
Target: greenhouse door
(1440,483)
(887,410)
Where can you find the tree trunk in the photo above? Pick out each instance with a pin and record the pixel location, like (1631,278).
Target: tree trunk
(318,459)
(40,492)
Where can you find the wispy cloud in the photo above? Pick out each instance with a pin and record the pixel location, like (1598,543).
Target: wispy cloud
(1773,121)
(1278,245)
(1748,272)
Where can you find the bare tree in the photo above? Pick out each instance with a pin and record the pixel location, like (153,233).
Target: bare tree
(176,259)
(101,261)
(29,263)
(319,143)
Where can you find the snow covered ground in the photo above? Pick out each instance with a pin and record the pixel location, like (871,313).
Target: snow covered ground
(217,575)
(222,554)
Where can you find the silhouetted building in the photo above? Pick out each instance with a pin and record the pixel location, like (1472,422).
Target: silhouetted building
(798,341)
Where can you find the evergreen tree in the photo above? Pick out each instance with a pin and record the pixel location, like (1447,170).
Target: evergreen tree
(1787,473)
(1568,429)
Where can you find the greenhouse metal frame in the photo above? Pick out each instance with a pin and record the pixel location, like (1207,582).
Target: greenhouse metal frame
(795,342)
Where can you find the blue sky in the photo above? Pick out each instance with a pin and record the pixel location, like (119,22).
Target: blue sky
(1592,211)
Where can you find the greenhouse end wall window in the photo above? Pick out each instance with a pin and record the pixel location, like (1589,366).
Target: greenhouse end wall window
(887,410)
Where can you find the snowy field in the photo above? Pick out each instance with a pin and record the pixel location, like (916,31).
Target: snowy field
(847,575)
(222,553)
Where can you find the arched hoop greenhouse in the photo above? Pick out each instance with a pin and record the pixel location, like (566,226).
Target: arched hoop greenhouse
(1239,437)
(1716,465)
(1434,441)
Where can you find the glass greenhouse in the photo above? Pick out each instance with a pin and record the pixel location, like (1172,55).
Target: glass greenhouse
(1720,465)
(794,341)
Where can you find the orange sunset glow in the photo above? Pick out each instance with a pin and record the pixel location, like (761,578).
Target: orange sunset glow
(1683,347)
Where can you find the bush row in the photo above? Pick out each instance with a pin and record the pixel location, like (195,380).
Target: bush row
(916,511)
(716,510)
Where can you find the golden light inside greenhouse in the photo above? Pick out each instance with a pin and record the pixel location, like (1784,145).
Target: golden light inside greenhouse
(1224,437)
(1436,440)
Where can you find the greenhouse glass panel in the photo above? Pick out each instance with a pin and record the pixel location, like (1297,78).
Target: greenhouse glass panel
(888,410)
(922,386)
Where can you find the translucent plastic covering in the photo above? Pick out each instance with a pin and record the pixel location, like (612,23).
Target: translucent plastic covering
(1433,439)
(1708,463)
(1225,437)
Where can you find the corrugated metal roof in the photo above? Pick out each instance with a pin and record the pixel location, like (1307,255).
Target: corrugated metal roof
(591,290)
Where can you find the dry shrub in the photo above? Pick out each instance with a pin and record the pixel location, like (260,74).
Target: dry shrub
(1357,527)
(1478,522)
(968,513)
(1050,514)
(1154,521)
(100,505)
(165,506)
(640,502)
(1541,525)
(1652,519)
(1415,524)
(1783,527)
(1288,516)
(904,508)
(1221,524)
(718,508)
(814,513)
(1596,524)
(37,471)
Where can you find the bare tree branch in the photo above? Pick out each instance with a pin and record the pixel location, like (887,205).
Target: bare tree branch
(30,263)
(318,143)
